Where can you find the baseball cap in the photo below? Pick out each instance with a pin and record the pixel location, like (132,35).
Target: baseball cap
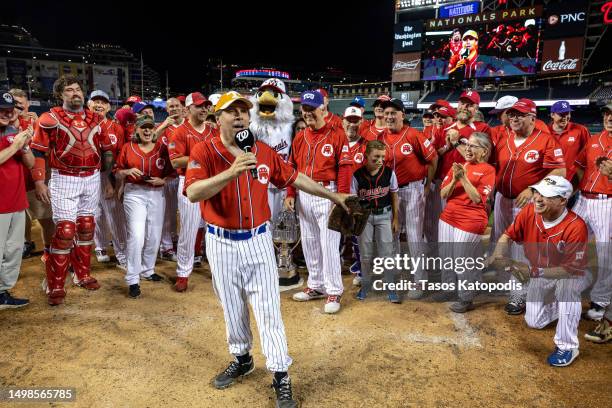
(352,111)
(312,98)
(139,106)
(323,92)
(503,103)
(438,103)
(6,101)
(133,99)
(145,120)
(275,84)
(447,111)
(380,100)
(394,103)
(553,186)
(607,107)
(181,98)
(428,113)
(99,94)
(214,98)
(229,98)
(561,107)
(524,105)
(197,99)
(358,101)
(470,33)
(471,96)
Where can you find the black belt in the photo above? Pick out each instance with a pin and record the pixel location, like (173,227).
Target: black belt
(379,211)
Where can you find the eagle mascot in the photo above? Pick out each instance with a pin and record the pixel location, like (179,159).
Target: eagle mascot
(272,122)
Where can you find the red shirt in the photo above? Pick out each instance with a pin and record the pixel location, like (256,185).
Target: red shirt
(357,153)
(562,245)
(165,139)
(523,166)
(371,132)
(25,123)
(460,211)
(184,138)
(572,140)
(408,154)
(334,120)
(155,163)
(453,156)
(12,185)
(115,135)
(498,133)
(243,202)
(593,181)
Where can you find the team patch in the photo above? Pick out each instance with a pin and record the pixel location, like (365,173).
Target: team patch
(327,150)
(571,139)
(427,143)
(160,163)
(406,149)
(194,165)
(345,149)
(263,174)
(165,140)
(113,138)
(579,255)
(358,158)
(558,152)
(532,156)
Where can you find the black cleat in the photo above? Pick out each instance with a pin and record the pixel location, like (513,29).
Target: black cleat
(134,291)
(233,371)
(154,278)
(284,395)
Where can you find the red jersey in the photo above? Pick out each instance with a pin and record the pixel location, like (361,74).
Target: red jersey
(525,165)
(357,153)
(73,141)
(408,154)
(184,138)
(573,139)
(593,181)
(115,135)
(165,139)
(453,156)
(155,163)
(12,187)
(460,211)
(25,123)
(243,202)
(363,127)
(334,120)
(561,245)
(498,133)
(455,47)
(371,132)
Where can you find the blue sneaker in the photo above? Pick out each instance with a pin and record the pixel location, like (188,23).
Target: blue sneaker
(394,298)
(561,358)
(9,302)
(361,295)
(355,268)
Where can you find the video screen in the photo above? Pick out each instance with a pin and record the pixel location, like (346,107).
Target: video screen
(482,51)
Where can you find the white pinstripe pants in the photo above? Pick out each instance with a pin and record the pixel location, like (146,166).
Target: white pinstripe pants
(320,244)
(598,216)
(456,243)
(169,229)
(111,216)
(73,196)
(144,210)
(411,215)
(190,218)
(552,299)
(245,272)
(504,214)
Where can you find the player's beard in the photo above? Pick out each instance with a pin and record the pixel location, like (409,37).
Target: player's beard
(464,116)
(75,104)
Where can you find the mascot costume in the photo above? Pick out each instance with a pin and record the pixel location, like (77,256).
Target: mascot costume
(271,122)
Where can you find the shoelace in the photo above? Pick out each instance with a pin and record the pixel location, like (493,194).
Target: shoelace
(284,390)
(560,352)
(516,299)
(232,369)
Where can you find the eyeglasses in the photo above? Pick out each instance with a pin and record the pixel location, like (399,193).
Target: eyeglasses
(472,146)
(517,115)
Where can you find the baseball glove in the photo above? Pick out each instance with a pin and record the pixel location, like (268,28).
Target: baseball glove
(518,269)
(353,223)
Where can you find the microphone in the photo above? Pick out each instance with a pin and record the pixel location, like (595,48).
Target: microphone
(245,140)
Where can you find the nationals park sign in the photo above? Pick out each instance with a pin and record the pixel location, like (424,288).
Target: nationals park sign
(490,16)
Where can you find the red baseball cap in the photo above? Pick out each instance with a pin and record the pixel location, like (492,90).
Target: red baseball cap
(524,105)
(181,99)
(197,99)
(323,92)
(133,99)
(471,96)
(380,100)
(438,103)
(446,111)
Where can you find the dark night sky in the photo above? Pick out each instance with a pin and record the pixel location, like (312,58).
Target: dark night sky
(354,36)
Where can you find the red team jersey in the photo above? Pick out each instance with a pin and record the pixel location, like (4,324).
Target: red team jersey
(523,166)
(12,187)
(184,138)
(562,245)
(115,135)
(155,163)
(243,202)
(165,139)
(453,156)
(357,153)
(371,132)
(573,139)
(408,154)
(460,211)
(334,120)
(593,181)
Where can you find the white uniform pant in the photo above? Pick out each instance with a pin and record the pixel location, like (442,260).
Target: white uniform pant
(243,273)
(552,299)
(320,244)
(411,215)
(456,244)
(597,213)
(190,218)
(169,229)
(504,214)
(144,211)
(73,196)
(110,216)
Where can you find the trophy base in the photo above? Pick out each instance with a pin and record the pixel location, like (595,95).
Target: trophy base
(289,279)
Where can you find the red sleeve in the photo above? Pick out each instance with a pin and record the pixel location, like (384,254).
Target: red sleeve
(119,134)
(122,162)
(516,231)
(553,154)
(40,140)
(177,146)
(199,166)
(344,178)
(427,150)
(291,192)
(447,179)
(581,159)
(575,251)
(281,173)
(168,169)
(485,184)
(106,144)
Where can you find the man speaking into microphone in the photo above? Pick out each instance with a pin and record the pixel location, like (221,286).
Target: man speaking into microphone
(239,246)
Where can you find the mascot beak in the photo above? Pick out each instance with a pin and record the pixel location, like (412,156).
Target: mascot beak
(267,104)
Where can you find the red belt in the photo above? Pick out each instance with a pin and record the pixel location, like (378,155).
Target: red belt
(85,173)
(595,196)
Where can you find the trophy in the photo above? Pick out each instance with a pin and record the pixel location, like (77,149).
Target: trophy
(286,237)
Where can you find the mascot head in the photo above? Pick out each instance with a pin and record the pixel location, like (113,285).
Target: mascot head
(271,102)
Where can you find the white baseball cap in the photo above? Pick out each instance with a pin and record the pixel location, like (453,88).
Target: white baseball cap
(503,103)
(274,83)
(352,111)
(214,98)
(553,186)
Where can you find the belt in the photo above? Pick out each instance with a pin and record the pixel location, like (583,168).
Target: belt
(84,173)
(236,235)
(595,196)
(422,181)
(379,211)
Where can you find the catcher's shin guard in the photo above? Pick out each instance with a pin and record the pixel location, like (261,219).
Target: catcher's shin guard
(59,260)
(81,254)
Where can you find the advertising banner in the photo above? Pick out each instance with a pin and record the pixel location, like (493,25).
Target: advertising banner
(562,55)
(408,36)
(567,19)
(406,67)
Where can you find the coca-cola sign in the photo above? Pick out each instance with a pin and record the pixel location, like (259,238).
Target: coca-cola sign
(562,55)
